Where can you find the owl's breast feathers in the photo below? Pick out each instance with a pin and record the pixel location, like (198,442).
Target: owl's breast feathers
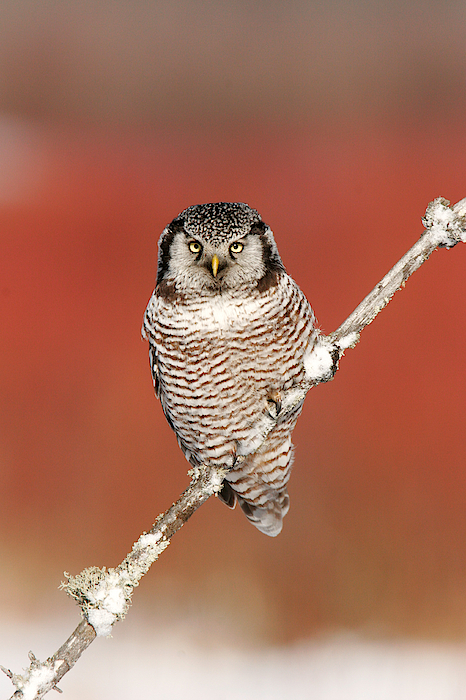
(217,358)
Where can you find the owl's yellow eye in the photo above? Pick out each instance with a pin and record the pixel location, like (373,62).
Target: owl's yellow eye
(195,247)
(236,247)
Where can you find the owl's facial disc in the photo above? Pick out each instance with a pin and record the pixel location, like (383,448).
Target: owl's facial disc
(196,263)
(217,248)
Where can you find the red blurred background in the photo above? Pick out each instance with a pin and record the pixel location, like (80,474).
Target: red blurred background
(339,122)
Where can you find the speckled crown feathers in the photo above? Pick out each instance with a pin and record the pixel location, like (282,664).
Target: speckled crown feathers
(219,221)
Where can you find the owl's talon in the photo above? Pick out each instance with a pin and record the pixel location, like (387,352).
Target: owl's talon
(237,460)
(276,402)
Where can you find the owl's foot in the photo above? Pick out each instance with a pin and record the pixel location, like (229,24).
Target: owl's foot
(274,404)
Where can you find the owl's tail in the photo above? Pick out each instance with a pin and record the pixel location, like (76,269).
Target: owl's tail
(267,518)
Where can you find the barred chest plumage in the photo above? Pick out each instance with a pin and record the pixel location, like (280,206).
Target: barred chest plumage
(220,357)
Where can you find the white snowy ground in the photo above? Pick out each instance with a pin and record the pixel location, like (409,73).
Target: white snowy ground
(158,663)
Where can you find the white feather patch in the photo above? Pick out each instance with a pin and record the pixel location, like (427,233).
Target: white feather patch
(226,313)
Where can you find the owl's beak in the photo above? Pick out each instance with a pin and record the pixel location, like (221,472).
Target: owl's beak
(215,264)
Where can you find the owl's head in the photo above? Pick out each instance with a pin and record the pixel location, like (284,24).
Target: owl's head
(217,247)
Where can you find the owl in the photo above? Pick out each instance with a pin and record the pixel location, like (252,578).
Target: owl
(228,331)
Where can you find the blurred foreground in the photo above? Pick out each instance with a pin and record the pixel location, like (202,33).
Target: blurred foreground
(142,662)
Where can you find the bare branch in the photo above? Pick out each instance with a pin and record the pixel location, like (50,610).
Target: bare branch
(445,227)
(104,595)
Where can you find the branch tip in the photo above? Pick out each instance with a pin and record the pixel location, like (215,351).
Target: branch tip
(446,225)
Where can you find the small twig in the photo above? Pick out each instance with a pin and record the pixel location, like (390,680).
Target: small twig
(40,677)
(105,595)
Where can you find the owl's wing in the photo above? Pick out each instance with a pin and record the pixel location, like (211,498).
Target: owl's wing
(147,332)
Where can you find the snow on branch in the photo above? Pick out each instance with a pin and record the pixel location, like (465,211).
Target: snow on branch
(104,595)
